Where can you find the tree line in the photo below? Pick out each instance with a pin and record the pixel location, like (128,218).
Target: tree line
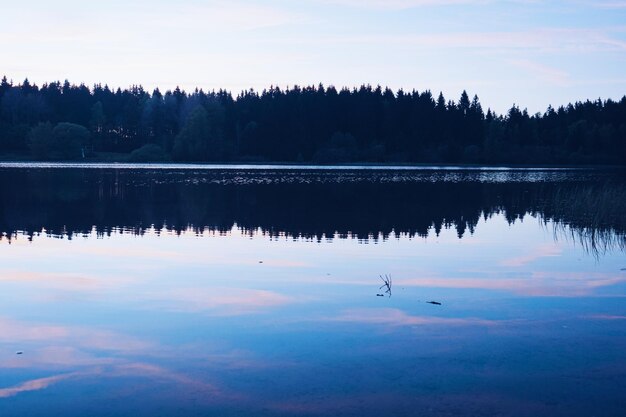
(62,121)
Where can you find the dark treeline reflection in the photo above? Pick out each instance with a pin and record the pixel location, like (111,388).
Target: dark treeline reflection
(311,205)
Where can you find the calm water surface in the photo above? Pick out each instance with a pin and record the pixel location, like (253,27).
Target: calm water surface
(188,291)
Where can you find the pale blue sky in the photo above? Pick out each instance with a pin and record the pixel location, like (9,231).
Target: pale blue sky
(529,52)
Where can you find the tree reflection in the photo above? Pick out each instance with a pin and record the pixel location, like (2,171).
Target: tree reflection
(314,205)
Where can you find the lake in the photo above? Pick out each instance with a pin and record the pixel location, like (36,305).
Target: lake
(316,291)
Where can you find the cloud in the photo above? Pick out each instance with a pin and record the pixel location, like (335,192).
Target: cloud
(543,72)
(607,4)
(545,40)
(403,4)
(232,16)
(114,21)
(410,4)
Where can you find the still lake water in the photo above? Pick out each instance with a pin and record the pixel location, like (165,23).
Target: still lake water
(187,291)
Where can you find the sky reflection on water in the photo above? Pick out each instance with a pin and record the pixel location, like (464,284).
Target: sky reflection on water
(235,323)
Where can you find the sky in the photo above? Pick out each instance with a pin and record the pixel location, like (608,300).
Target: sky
(526,52)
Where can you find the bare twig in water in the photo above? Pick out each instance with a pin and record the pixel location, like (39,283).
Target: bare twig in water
(386,284)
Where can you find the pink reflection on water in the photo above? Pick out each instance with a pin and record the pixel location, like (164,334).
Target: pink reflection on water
(36,384)
(396,317)
(157,372)
(93,283)
(543,251)
(540,284)
(221,301)
(130,369)
(390,402)
(12,331)
(605,317)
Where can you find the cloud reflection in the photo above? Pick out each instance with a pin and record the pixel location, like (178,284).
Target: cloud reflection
(606,317)
(156,372)
(130,369)
(12,331)
(35,384)
(396,317)
(543,251)
(221,301)
(536,284)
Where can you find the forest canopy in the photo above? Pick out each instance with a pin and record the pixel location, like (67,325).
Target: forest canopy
(62,121)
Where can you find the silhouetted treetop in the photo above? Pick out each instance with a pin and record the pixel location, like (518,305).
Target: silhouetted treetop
(301,124)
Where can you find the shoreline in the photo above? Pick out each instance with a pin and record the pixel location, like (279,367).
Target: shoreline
(97,163)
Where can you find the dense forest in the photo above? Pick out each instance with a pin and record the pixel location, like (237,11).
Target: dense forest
(61,121)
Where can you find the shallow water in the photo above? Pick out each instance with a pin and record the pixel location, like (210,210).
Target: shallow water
(234,291)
